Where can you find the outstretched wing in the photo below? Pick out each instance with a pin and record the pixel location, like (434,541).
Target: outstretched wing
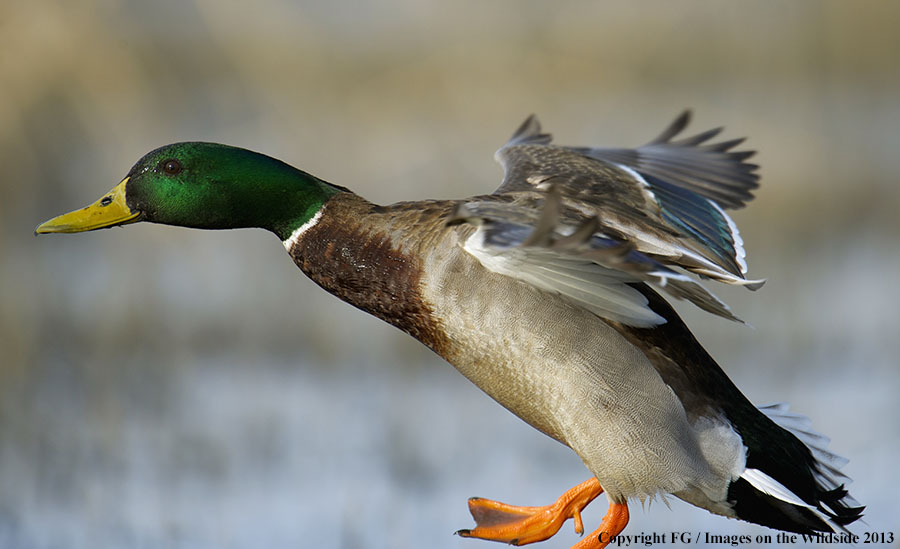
(711,170)
(587,222)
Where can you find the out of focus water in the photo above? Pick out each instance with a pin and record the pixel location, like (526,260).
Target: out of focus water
(278,454)
(161,387)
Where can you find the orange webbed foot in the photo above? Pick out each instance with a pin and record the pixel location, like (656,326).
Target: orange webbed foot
(614,522)
(517,525)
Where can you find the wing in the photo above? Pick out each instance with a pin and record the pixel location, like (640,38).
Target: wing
(710,170)
(586,223)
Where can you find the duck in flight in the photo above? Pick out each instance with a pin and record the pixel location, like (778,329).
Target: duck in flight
(548,294)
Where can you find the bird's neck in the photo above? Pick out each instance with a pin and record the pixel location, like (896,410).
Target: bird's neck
(352,249)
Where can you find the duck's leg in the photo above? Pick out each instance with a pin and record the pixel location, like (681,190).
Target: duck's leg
(520,525)
(614,522)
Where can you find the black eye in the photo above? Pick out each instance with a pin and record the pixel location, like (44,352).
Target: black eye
(171,167)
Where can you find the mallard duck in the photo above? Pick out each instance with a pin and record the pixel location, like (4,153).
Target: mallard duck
(548,295)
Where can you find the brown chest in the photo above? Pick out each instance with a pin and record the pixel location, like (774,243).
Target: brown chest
(363,266)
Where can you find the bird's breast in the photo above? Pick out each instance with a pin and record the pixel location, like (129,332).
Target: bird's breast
(564,371)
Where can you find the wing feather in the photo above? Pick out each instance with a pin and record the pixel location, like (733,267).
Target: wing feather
(594,271)
(669,193)
(587,222)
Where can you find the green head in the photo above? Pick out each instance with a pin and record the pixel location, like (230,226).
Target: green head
(204,186)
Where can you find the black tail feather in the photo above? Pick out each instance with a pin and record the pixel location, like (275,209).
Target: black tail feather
(753,505)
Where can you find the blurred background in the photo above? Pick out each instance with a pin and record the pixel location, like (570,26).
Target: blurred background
(161,387)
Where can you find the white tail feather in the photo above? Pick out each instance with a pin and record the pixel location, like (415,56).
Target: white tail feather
(769,486)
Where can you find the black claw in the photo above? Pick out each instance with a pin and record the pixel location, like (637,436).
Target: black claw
(464,533)
(514,541)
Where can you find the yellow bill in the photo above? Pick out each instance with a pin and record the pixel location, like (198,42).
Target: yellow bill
(109,211)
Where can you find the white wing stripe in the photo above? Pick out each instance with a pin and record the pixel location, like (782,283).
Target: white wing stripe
(739,253)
